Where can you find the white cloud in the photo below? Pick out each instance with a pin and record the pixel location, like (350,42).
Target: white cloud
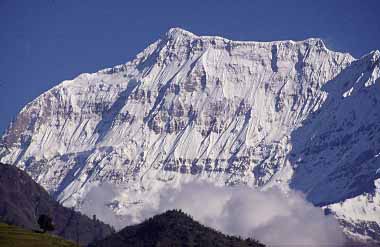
(271,216)
(95,203)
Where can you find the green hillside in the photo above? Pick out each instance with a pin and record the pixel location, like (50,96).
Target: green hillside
(12,236)
(22,201)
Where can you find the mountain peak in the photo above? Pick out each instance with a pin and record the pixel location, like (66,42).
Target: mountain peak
(372,57)
(192,106)
(176,32)
(376,54)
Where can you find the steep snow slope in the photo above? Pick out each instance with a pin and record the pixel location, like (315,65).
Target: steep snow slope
(336,150)
(360,215)
(189,107)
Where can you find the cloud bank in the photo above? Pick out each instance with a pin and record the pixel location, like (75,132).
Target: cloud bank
(271,216)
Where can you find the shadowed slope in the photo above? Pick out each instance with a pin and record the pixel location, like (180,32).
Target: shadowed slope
(22,201)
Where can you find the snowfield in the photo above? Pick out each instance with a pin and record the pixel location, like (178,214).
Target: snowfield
(290,114)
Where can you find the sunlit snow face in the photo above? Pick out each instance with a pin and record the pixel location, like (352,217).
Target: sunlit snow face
(272,217)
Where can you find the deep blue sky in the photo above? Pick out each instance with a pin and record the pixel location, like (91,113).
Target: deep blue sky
(45,42)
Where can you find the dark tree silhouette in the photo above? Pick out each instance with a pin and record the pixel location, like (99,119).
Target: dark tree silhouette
(45,223)
(173,228)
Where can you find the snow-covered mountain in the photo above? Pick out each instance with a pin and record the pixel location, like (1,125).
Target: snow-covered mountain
(284,113)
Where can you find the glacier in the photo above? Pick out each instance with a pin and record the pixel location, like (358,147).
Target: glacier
(291,114)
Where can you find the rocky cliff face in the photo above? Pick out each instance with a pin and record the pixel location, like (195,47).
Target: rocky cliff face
(188,107)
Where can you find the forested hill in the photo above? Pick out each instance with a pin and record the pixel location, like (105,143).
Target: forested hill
(172,228)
